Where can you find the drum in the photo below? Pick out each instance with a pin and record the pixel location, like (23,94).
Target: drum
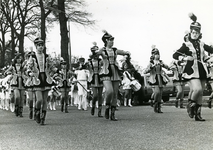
(135,85)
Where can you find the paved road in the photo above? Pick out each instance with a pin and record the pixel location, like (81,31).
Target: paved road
(138,128)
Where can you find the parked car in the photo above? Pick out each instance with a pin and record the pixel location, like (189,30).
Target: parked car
(168,89)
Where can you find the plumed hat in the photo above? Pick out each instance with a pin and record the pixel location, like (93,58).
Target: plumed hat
(17,54)
(38,41)
(94,48)
(194,25)
(154,50)
(30,53)
(62,61)
(106,36)
(82,60)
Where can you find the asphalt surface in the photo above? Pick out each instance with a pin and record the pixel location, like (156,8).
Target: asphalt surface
(138,128)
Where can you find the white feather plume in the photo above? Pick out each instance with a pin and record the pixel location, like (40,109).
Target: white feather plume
(193,17)
(104,31)
(153,46)
(94,43)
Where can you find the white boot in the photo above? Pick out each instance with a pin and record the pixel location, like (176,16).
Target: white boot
(54,106)
(50,104)
(124,101)
(129,103)
(12,107)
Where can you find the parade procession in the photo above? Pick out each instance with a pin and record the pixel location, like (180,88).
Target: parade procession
(103,83)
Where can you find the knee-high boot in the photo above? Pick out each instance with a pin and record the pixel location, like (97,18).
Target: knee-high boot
(66,108)
(54,106)
(159,108)
(31,113)
(99,111)
(129,103)
(107,111)
(113,108)
(35,113)
(181,103)
(125,101)
(16,110)
(155,107)
(20,111)
(209,103)
(38,117)
(62,107)
(93,109)
(198,113)
(43,116)
(191,108)
(176,103)
(62,104)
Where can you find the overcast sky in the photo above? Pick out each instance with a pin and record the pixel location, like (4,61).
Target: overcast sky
(137,25)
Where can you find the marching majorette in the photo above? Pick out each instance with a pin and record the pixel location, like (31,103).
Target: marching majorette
(6,91)
(39,71)
(17,84)
(95,64)
(178,81)
(52,96)
(192,52)
(64,85)
(82,81)
(129,70)
(110,73)
(158,77)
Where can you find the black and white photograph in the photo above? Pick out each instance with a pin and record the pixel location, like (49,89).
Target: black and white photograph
(106,75)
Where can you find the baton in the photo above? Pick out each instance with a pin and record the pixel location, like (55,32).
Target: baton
(83,86)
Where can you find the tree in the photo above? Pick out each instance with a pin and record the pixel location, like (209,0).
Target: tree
(19,15)
(73,11)
(4,28)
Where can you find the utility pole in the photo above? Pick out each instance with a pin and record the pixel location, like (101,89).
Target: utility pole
(69,46)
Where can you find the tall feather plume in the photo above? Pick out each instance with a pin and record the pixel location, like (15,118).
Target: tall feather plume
(186,32)
(104,31)
(153,46)
(193,17)
(94,43)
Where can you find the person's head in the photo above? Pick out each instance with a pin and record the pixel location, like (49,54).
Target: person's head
(195,28)
(94,49)
(18,58)
(63,64)
(155,53)
(81,62)
(39,44)
(107,39)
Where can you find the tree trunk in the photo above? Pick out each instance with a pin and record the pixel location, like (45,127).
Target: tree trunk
(43,33)
(63,31)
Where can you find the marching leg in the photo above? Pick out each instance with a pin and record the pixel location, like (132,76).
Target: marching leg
(107,112)
(113,108)
(198,113)
(66,108)
(20,111)
(38,117)
(31,113)
(209,103)
(99,111)
(181,103)
(43,116)
(191,108)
